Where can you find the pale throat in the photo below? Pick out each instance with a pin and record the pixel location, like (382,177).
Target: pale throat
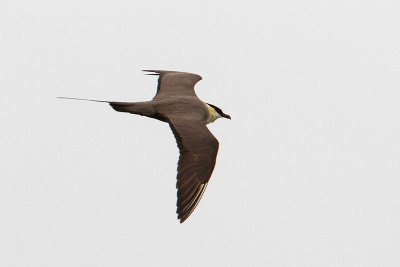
(212,114)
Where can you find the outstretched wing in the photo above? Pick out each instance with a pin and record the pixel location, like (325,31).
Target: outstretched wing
(175,83)
(198,152)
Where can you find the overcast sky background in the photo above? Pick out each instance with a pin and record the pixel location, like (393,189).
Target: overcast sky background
(308,170)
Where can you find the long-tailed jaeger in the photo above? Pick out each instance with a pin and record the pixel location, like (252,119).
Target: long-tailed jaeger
(177,104)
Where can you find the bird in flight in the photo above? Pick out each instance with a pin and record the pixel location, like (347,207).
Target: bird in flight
(177,104)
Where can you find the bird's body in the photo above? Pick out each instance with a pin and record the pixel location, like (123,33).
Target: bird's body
(181,106)
(177,104)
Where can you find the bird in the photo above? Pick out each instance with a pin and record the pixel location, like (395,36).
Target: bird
(177,104)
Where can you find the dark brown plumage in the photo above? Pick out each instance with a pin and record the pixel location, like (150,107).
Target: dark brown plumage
(198,152)
(177,104)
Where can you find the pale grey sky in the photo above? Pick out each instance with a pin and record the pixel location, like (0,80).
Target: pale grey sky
(308,171)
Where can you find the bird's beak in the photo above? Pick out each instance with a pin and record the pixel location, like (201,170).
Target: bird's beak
(226,116)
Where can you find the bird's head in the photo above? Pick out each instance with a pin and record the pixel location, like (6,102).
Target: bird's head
(215,112)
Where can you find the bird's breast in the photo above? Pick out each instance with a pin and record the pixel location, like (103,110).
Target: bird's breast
(213,115)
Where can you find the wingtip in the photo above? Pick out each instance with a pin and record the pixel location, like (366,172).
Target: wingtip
(182,219)
(164,72)
(159,72)
(184,214)
(154,72)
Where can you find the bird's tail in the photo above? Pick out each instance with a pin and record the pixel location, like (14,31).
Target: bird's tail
(83,99)
(118,106)
(122,106)
(139,108)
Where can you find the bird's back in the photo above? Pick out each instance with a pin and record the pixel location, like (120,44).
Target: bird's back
(184,107)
